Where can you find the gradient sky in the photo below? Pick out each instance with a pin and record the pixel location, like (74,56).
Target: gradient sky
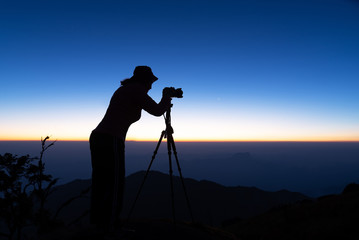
(249,69)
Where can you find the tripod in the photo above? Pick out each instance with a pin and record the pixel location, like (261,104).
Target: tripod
(167,133)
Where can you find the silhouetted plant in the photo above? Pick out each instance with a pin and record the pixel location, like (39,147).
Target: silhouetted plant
(42,185)
(24,190)
(16,206)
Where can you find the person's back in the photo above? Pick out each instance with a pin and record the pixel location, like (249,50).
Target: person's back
(124,109)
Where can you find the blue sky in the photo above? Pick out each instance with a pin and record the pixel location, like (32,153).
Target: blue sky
(250,70)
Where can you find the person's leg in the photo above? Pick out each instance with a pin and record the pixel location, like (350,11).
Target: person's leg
(102,159)
(119,179)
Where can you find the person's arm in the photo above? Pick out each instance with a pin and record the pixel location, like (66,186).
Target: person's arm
(150,106)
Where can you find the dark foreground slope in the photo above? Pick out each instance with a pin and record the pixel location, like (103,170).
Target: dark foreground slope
(211,203)
(142,230)
(328,217)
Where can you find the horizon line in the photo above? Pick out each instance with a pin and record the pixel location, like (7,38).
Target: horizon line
(185,140)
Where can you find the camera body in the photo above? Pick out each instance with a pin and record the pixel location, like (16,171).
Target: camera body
(173,92)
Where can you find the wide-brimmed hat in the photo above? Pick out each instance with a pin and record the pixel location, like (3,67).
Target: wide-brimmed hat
(144,73)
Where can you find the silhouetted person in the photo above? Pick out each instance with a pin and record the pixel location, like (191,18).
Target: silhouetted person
(107,144)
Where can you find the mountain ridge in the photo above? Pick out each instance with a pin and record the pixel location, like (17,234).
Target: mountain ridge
(328,217)
(211,203)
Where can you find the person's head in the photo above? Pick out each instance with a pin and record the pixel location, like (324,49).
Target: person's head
(142,75)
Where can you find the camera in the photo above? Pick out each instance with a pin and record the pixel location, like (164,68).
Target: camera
(173,92)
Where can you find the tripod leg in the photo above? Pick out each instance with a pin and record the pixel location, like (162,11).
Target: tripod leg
(172,142)
(145,177)
(171,180)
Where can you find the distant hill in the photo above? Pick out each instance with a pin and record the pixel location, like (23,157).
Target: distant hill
(211,203)
(311,168)
(328,217)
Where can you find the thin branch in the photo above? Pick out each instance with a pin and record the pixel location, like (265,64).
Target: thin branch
(82,194)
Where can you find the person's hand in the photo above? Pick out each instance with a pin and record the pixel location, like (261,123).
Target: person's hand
(167,91)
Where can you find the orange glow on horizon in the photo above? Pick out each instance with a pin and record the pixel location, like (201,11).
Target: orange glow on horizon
(334,139)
